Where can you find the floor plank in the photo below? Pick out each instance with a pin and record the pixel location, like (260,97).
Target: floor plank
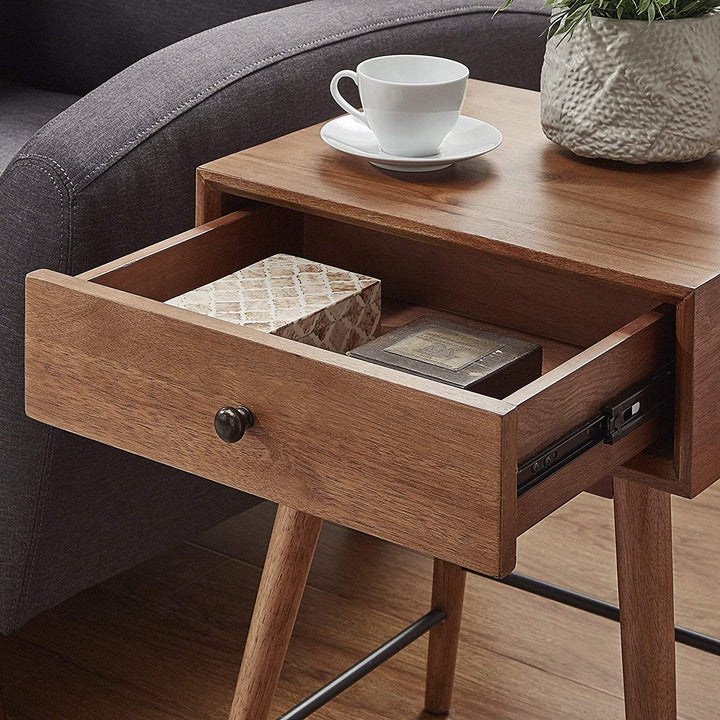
(586,526)
(170,571)
(164,640)
(20,659)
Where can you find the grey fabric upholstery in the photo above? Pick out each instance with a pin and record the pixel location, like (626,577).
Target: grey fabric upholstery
(23,111)
(74,45)
(115,172)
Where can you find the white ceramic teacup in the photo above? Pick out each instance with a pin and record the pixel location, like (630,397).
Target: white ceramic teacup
(410,102)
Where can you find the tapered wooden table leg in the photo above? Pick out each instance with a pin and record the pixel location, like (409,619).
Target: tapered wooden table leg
(289,556)
(448,593)
(643,534)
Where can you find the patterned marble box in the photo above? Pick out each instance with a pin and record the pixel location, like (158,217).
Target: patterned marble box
(297,299)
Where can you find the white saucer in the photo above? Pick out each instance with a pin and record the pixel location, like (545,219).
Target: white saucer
(469,139)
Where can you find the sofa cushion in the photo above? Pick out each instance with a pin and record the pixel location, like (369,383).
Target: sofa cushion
(23,111)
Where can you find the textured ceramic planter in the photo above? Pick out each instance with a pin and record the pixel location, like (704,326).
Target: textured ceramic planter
(635,91)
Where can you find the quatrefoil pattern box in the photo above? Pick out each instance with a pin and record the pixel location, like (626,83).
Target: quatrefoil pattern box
(295,298)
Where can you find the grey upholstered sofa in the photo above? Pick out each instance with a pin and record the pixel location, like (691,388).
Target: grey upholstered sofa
(113,170)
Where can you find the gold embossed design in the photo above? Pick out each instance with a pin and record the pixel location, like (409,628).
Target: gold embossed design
(448,349)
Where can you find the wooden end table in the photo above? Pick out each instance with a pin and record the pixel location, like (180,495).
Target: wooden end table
(614,269)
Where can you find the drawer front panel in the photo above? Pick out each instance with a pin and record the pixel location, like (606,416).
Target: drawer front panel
(408,460)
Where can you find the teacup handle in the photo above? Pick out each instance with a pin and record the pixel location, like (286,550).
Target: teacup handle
(340,100)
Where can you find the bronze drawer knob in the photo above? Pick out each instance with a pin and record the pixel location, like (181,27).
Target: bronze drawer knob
(232,422)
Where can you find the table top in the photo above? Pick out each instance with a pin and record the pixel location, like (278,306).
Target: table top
(655,228)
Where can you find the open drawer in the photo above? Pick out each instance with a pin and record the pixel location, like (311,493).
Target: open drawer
(413,461)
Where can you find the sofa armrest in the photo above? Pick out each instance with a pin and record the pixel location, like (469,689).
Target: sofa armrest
(115,171)
(247,81)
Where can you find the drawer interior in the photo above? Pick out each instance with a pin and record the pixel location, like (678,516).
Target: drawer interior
(562,313)
(118,367)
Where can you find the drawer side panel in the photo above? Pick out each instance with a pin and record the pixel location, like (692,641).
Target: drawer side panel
(575,391)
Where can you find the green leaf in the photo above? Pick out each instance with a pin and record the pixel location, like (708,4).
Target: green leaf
(568,14)
(502,7)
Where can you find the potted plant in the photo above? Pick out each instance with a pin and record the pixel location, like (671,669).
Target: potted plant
(633,80)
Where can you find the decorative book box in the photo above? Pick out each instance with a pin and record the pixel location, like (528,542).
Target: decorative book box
(297,299)
(457,354)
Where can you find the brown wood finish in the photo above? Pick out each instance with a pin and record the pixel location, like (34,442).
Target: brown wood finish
(165,638)
(604,488)
(165,376)
(576,382)
(289,556)
(568,482)
(565,397)
(332,434)
(491,288)
(448,591)
(527,200)
(335,435)
(571,393)
(211,202)
(698,403)
(579,254)
(198,256)
(208,201)
(643,531)
(656,471)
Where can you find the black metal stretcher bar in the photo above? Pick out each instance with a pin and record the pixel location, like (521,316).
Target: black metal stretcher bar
(706,643)
(376,658)
(393,646)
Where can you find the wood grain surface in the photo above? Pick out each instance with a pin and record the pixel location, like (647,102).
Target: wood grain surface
(164,641)
(575,386)
(493,288)
(643,531)
(448,592)
(289,556)
(576,391)
(596,464)
(208,201)
(572,393)
(652,229)
(697,419)
(529,237)
(366,446)
(203,254)
(334,435)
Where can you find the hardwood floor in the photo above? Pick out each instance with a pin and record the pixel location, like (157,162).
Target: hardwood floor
(165,640)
